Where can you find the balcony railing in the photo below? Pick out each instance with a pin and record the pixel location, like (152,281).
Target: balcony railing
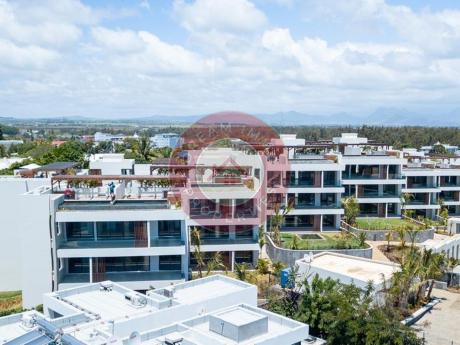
(299,182)
(223,241)
(98,244)
(123,276)
(166,242)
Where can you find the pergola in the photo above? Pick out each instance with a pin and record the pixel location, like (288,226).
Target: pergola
(57,167)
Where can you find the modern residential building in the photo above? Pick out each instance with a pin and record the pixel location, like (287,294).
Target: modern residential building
(161,140)
(373,174)
(110,164)
(213,310)
(131,223)
(114,138)
(449,245)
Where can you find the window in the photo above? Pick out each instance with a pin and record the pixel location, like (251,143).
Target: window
(79,231)
(169,228)
(78,265)
(213,232)
(115,230)
(241,257)
(170,263)
(329,178)
(327,199)
(127,264)
(306,178)
(306,199)
(243,231)
(328,220)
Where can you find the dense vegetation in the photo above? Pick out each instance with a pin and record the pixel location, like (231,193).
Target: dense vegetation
(399,137)
(326,241)
(342,314)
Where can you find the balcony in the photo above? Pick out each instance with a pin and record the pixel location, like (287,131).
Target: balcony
(226,240)
(97,205)
(166,242)
(72,278)
(128,243)
(299,183)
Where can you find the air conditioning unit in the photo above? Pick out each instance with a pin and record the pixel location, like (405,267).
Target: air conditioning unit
(27,321)
(169,291)
(106,285)
(173,339)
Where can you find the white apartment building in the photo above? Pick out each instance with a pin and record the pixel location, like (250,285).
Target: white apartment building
(161,140)
(111,164)
(214,310)
(115,138)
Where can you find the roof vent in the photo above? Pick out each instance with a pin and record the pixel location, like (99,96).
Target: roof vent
(27,321)
(173,339)
(169,291)
(106,285)
(136,300)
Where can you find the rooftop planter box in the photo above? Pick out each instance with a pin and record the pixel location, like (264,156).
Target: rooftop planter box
(289,256)
(376,229)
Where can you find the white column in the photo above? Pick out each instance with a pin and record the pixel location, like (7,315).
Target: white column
(232,260)
(148,234)
(90,270)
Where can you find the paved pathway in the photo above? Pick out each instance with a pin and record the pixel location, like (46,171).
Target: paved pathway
(441,326)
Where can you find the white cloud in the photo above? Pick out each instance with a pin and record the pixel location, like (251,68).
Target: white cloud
(230,57)
(220,15)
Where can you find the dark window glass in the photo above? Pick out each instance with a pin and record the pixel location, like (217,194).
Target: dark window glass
(170,263)
(115,230)
(126,264)
(169,228)
(243,231)
(241,257)
(79,231)
(78,265)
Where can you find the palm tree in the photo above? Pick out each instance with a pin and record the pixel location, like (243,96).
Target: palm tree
(351,210)
(401,231)
(216,263)
(277,267)
(241,270)
(295,242)
(195,239)
(276,221)
(262,241)
(263,266)
(405,198)
(143,147)
(388,238)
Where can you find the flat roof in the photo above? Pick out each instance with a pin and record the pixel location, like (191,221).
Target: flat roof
(195,291)
(198,331)
(12,326)
(354,267)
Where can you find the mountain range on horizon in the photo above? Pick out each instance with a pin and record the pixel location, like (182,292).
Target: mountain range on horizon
(380,117)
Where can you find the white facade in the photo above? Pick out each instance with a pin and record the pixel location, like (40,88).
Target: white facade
(449,245)
(161,140)
(215,310)
(111,164)
(347,269)
(115,138)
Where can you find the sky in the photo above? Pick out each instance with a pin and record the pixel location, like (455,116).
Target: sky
(188,57)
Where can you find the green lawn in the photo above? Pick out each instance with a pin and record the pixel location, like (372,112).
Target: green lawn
(386,224)
(328,241)
(10,302)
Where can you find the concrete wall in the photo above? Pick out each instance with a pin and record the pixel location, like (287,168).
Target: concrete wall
(13,213)
(289,256)
(37,263)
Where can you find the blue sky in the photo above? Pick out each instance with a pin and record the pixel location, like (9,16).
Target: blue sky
(180,57)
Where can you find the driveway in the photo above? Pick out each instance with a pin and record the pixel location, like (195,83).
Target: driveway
(441,325)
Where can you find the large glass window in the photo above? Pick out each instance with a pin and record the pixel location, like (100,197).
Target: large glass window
(389,190)
(328,199)
(115,230)
(78,265)
(170,263)
(241,257)
(370,190)
(306,178)
(169,228)
(305,200)
(126,264)
(329,178)
(79,231)
(243,231)
(328,221)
